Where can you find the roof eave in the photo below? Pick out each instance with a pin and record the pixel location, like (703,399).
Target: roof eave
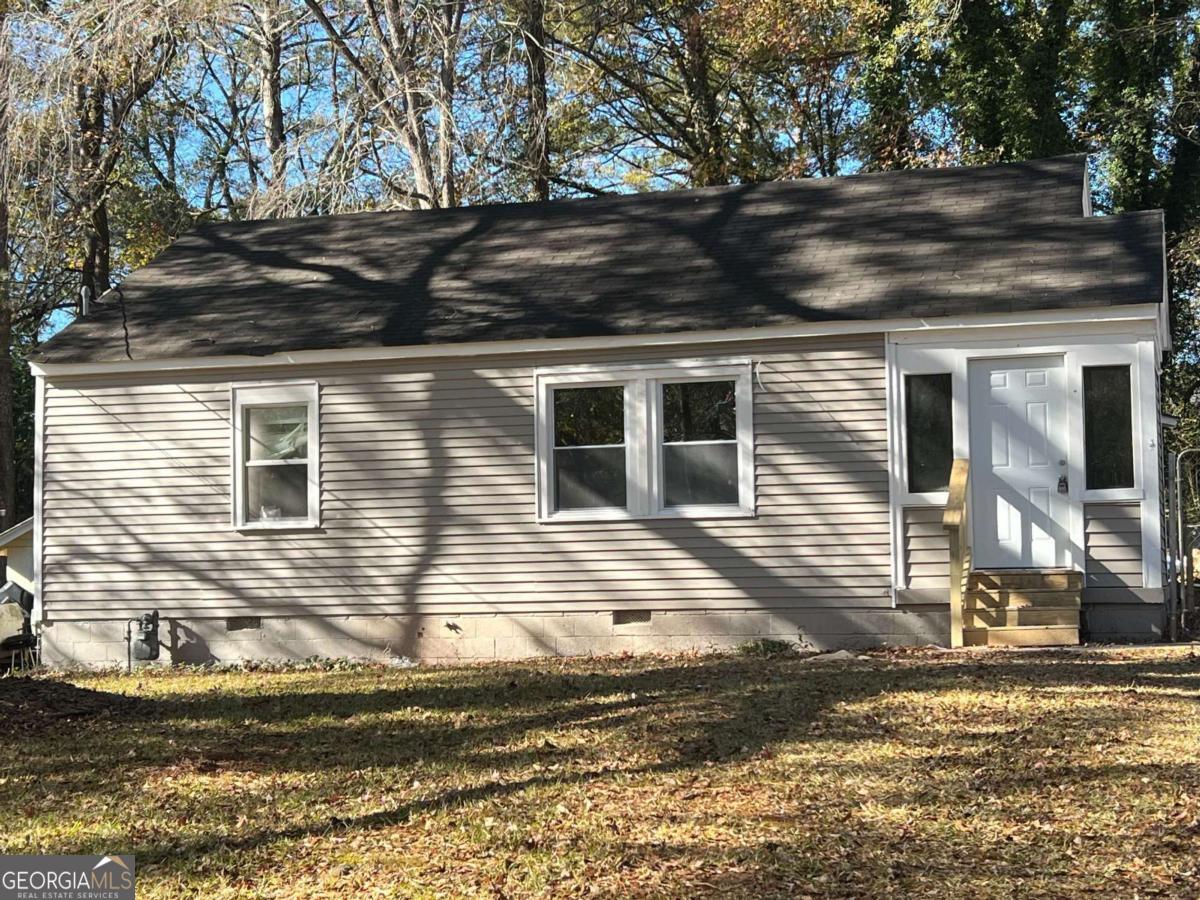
(17,531)
(1143,311)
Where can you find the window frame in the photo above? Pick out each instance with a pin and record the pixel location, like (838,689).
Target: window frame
(643,437)
(265,395)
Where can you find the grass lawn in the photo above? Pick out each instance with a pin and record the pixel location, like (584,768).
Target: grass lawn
(997,775)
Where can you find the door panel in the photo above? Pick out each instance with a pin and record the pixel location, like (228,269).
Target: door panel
(1018,426)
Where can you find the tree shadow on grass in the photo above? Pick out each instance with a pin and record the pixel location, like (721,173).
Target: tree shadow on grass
(510,732)
(31,706)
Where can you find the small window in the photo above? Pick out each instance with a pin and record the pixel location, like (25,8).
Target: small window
(275,456)
(929,432)
(589,448)
(1108,427)
(699,447)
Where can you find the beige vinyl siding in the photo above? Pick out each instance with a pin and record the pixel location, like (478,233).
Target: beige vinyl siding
(1113,545)
(926,549)
(427,486)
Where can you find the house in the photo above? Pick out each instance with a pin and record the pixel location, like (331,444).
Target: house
(667,420)
(16,546)
(16,591)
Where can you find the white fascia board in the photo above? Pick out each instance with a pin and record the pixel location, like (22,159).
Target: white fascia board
(38,614)
(936,324)
(1087,192)
(1017,336)
(1164,308)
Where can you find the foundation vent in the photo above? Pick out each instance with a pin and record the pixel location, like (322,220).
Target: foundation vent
(243,623)
(631,617)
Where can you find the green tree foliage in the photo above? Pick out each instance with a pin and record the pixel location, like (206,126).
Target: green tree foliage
(664,77)
(894,88)
(1009,74)
(1131,51)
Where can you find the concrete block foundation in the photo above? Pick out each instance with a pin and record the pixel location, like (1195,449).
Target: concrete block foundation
(468,638)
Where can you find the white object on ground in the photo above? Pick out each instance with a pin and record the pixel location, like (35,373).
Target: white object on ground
(12,620)
(837,656)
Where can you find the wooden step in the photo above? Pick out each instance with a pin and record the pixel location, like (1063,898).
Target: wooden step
(1025,579)
(1022,607)
(1015,616)
(1000,599)
(1022,636)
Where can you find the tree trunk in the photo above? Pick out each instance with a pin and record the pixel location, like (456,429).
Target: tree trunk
(452,13)
(97,247)
(272,94)
(1181,208)
(1050,133)
(711,167)
(101,243)
(8,473)
(538,140)
(888,129)
(446,136)
(8,476)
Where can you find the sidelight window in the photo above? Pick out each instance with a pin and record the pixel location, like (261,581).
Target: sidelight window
(1108,427)
(929,432)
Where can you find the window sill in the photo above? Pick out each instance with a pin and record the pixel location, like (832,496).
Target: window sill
(1113,495)
(683,512)
(932,498)
(277,527)
(705,512)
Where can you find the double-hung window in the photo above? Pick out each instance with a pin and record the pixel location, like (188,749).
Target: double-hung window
(275,456)
(645,441)
(590,470)
(699,456)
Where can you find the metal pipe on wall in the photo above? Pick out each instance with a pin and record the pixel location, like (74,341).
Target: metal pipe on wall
(1182,545)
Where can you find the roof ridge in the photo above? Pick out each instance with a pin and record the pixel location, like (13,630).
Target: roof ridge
(665,193)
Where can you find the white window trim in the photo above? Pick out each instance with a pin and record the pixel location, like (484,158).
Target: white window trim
(265,394)
(923,498)
(1100,344)
(643,428)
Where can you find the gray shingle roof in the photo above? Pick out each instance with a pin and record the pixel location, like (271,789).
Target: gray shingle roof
(932,242)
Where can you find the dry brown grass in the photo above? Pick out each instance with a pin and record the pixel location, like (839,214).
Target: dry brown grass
(1002,775)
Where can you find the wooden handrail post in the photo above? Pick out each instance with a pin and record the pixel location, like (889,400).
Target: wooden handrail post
(954,520)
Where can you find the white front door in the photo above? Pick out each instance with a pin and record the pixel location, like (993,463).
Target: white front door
(1020,511)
